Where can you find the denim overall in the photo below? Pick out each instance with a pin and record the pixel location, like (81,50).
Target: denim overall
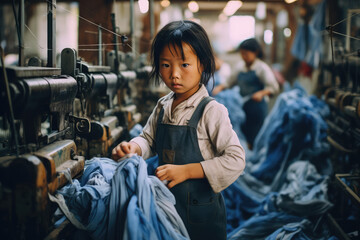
(255,112)
(202,211)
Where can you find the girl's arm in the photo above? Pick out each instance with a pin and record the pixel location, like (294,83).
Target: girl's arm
(221,148)
(176,174)
(268,78)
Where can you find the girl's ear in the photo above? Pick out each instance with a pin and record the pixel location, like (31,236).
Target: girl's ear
(201,67)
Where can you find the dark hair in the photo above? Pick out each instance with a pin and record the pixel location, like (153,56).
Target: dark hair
(252,45)
(173,34)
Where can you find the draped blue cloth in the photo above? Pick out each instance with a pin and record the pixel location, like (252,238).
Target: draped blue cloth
(307,45)
(118,200)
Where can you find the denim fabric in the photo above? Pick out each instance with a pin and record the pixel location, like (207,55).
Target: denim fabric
(135,130)
(278,183)
(297,231)
(307,45)
(260,226)
(120,201)
(293,127)
(215,81)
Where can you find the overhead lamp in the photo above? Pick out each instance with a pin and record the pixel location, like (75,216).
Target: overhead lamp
(287,32)
(143,6)
(193,6)
(260,12)
(231,7)
(165,3)
(290,1)
(268,36)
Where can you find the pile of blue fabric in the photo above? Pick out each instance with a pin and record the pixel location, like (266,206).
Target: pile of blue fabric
(118,200)
(282,193)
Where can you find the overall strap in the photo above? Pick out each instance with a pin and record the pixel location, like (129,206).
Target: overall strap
(199,111)
(161,115)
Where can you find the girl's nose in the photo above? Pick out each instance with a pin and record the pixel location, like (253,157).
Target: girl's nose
(175,73)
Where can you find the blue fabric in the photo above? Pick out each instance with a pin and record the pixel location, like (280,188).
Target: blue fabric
(152,164)
(213,82)
(261,226)
(293,127)
(307,45)
(295,231)
(135,130)
(120,201)
(278,183)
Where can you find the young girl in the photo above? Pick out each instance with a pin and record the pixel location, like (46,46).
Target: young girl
(199,153)
(256,81)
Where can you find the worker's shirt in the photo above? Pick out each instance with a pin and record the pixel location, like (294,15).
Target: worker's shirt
(262,71)
(218,143)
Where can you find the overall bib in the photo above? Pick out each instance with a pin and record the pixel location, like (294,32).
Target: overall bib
(202,211)
(255,112)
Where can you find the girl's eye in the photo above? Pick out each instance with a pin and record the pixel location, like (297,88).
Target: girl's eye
(165,65)
(185,65)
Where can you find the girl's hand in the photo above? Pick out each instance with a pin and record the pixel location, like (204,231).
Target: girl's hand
(174,174)
(258,96)
(124,148)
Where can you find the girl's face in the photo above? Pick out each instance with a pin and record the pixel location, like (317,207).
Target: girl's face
(182,76)
(248,56)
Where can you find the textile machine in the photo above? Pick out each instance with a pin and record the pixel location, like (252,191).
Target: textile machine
(51,121)
(343,98)
(55,119)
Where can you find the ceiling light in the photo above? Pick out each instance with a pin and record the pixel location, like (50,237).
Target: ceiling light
(290,1)
(165,3)
(193,6)
(231,7)
(260,11)
(143,6)
(287,32)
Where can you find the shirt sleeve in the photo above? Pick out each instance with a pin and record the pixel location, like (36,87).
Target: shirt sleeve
(229,161)
(269,79)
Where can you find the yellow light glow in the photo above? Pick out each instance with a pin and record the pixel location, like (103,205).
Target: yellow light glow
(290,1)
(165,3)
(193,6)
(231,7)
(287,32)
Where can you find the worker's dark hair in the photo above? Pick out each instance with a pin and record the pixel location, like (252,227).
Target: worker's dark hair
(173,34)
(252,45)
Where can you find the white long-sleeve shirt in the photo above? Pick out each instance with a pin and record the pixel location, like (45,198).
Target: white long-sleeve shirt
(219,145)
